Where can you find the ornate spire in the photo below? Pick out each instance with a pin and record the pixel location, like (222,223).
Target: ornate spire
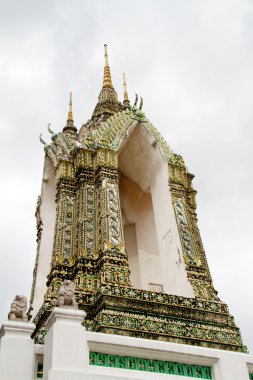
(70,114)
(108,103)
(70,122)
(126,101)
(107,73)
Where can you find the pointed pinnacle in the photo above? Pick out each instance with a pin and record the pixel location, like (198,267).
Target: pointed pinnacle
(70,122)
(107,82)
(125,89)
(106,56)
(70,114)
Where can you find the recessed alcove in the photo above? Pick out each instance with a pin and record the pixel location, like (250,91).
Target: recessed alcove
(150,231)
(140,234)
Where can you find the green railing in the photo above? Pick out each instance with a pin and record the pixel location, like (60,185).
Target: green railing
(150,365)
(40,371)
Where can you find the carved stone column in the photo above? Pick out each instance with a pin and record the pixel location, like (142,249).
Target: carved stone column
(113,263)
(64,243)
(183,196)
(64,251)
(85,268)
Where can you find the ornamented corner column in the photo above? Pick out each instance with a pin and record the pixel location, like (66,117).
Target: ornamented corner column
(113,263)
(85,265)
(64,241)
(16,350)
(183,196)
(63,256)
(66,349)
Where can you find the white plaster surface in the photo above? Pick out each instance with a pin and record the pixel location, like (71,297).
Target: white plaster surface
(66,349)
(147,204)
(132,252)
(174,272)
(226,365)
(140,234)
(48,216)
(16,350)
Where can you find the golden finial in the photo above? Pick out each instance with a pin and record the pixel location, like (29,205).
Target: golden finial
(126,101)
(69,127)
(106,56)
(125,89)
(107,74)
(108,99)
(70,115)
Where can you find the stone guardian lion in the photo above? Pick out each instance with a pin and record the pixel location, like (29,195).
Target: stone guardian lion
(66,295)
(18,309)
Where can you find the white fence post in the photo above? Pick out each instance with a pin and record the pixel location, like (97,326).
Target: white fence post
(66,353)
(16,351)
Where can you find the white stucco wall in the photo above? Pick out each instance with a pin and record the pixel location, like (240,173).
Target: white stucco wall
(140,234)
(174,273)
(133,258)
(48,216)
(16,350)
(146,202)
(226,365)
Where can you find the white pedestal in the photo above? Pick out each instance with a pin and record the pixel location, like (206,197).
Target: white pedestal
(66,353)
(231,366)
(16,351)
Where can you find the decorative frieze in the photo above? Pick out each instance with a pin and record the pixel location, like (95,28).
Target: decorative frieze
(150,365)
(165,328)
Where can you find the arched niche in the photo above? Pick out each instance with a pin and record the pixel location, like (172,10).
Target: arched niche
(150,230)
(47,215)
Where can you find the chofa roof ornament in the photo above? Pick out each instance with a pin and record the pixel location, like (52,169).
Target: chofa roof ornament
(53,135)
(137,112)
(44,143)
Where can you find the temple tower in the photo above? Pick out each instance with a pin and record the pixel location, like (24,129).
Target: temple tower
(117,215)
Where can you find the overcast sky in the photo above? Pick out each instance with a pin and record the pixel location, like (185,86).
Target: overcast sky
(192,61)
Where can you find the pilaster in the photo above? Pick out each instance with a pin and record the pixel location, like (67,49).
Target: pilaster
(183,197)
(113,264)
(66,350)
(86,233)
(16,351)
(64,251)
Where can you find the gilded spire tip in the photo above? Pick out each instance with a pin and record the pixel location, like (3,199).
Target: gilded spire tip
(107,74)
(70,114)
(70,122)
(106,56)
(126,100)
